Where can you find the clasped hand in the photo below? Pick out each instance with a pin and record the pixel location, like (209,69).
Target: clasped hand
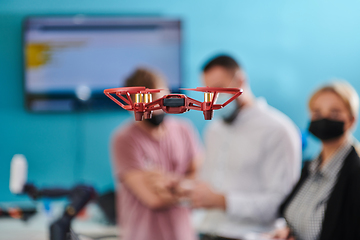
(172,187)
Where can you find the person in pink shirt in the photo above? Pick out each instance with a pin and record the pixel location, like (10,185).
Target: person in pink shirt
(150,159)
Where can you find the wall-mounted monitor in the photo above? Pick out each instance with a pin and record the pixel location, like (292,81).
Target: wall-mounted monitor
(69,61)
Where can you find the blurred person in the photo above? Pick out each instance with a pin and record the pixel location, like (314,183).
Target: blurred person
(325,203)
(150,158)
(253,158)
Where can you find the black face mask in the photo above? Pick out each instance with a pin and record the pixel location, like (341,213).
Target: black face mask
(230,119)
(229,116)
(156,120)
(326,129)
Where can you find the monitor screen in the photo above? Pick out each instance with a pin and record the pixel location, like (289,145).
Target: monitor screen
(69,61)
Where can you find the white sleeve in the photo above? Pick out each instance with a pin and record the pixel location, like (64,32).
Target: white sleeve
(211,141)
(279,171)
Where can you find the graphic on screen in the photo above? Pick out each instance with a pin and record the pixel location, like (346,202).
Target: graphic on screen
(69,61)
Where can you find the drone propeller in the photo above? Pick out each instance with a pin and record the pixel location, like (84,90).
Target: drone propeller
(131,90)
(214,89)
(124,90)
(148,90)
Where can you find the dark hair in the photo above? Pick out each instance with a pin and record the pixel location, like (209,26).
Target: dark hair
(224,61)
(144,78)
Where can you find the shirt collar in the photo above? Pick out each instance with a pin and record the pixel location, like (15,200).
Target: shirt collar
(247,112)
(332,168)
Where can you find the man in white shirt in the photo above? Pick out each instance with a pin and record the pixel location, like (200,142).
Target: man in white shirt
(253,159)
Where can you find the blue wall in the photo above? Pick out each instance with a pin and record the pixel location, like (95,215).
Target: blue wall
(287,48)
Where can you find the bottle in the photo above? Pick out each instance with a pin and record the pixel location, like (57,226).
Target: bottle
(18,173)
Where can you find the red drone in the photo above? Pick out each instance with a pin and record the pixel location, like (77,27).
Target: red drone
(171,103)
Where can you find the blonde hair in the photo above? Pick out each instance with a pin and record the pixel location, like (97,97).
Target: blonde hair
(356,145)
(345,91)
(347,94)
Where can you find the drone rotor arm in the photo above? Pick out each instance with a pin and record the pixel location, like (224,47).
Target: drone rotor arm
(148,90)
(127,100)
(217,106)
(215,95)
(130,100)
(193,104)
(231,99)
(115,100)
(151,106)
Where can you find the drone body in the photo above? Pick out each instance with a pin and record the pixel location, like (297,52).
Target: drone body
(143,105)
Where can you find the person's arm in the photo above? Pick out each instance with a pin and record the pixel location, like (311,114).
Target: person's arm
(281,234)
(280,170)
(194,166)
(203,196)
(153,198)
(129,171)
(195,154)
(168,186)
